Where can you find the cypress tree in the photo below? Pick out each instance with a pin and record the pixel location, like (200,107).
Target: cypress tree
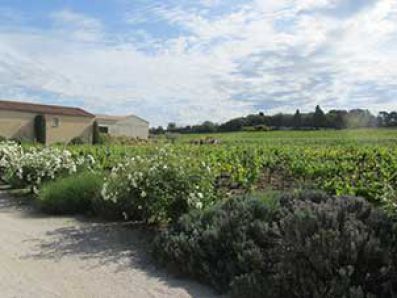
(297,120)
(95,133)
(319,119)
(40,129)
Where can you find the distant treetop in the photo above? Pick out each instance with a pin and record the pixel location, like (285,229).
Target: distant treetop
(333,119)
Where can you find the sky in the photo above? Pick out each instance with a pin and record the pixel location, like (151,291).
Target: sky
(189,61)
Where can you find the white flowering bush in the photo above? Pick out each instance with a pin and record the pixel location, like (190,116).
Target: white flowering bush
(160,187)
(9,153)
(31,167)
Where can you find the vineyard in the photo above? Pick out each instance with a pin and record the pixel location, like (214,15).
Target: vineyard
(362,162)
(241,212)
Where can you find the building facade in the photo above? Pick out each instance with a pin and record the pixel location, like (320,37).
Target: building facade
(63,124)
(130,126)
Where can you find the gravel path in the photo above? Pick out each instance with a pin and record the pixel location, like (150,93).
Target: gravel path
(43,256)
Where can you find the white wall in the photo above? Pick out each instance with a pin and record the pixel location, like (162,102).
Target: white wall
(131,126)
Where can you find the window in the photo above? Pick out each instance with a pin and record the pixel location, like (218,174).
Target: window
(55,122)
(103,129)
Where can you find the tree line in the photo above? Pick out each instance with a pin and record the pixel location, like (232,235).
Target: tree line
(333,119)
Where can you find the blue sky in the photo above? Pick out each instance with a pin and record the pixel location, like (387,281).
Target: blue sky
(190,61)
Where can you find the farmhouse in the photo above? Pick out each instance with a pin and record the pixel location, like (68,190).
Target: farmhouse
(62,124)
(131,126)
(20,121)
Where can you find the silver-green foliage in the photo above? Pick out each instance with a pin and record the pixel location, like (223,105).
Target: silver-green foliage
(75,194)
(311,245)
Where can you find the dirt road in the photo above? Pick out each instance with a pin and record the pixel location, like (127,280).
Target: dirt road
(43,256)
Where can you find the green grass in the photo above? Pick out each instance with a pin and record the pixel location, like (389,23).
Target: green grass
(379,136)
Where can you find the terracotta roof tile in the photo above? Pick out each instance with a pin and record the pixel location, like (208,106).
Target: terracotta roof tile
(43,109)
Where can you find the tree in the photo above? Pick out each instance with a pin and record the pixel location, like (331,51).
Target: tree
(319,119)
(157,131)
(208,126)
(40,129)
(393,118)
(171,126)
(386,119)
(160,130)
(382,119)
(337,119)
(277,120)
(297,120)
(233,125)
(357,118)
(95,133)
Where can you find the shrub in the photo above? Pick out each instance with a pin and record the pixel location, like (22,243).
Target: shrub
(248,128)
(307,245)
(21,140)
(95,133)
(105,138)
(70,195)
(40,129)
(159,188)
(76,141)
(33,166)
(3,138)
(9,152)
(261,127)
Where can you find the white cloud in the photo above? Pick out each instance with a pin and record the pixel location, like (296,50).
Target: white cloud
(77,26)
(272,55)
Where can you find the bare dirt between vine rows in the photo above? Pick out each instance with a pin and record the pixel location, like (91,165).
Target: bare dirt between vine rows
(42,256)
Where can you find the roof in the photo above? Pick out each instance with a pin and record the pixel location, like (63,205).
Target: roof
(43,109)
(118,118)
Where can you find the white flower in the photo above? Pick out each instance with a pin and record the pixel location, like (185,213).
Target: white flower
(199,205)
